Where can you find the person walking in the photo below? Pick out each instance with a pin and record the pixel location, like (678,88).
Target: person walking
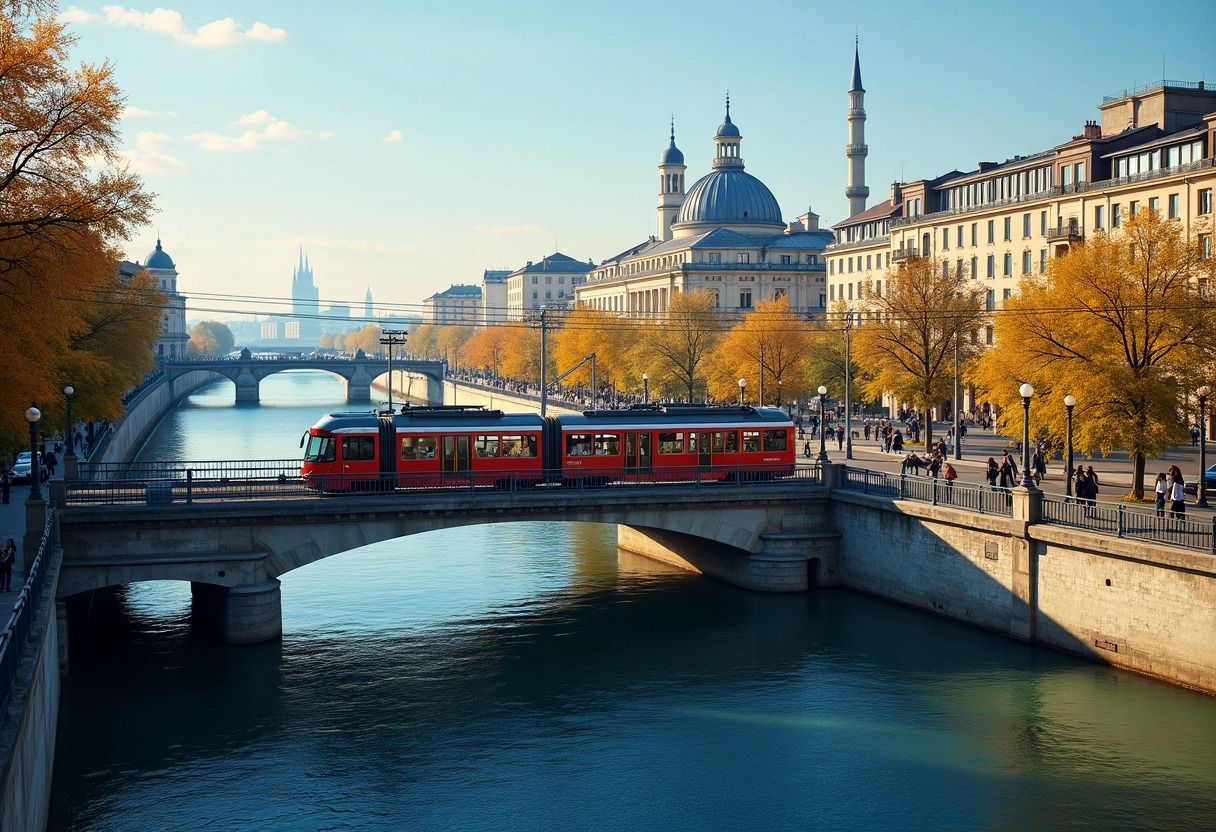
(1009,471)
(8,555)
(6,485)
(1177,494)
(951,475)
(840,437)
(1160,487)
(992,473)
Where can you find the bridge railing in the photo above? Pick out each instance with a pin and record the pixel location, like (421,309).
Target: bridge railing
(16,631)
(1132,522)
(982,499)
(189,482)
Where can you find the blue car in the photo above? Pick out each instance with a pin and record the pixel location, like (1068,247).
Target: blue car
(1209,477)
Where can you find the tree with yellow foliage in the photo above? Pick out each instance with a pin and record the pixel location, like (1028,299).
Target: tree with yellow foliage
(675,352)
(905,343)
(450,341)
(423,343)
(486,348)
(825,354)
(768,348)
(66,201)
(1124,322)
(521,359)
(209,339)
(585,331)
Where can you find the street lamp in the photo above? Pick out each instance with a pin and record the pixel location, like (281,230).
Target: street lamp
(742,386)
(1202,488)
(957,404)
(1027,391)
(823,423)
(32,416)
(848,383)
(1070,401)
(67,392)
(645,389)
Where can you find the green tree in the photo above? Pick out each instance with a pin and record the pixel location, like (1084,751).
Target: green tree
(1124,323)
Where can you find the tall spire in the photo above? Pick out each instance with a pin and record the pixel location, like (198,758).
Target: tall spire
(671,184)
(856,150)
(726,142)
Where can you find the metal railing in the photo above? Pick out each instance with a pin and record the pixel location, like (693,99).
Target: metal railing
(982,499)
(1132,522)
(182,483)
(1154,85)
(16,632)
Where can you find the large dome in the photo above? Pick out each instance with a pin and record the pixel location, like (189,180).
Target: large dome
(159,259)
(730,196)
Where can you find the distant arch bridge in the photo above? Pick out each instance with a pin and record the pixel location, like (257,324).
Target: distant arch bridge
(248,370)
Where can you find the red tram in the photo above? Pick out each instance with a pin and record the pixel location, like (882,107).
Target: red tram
(423,447)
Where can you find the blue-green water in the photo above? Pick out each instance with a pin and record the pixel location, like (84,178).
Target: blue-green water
(532,677)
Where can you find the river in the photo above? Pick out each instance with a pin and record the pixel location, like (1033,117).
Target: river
(532,677)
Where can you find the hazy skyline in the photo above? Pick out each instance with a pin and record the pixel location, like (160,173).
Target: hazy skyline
(410,146)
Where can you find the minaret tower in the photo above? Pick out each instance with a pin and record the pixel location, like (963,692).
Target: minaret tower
(856,149)
(671,185)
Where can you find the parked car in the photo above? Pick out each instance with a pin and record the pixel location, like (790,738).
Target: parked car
(20,472)
(1209,477)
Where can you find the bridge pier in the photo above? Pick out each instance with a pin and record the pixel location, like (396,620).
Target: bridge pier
(247,386)
(243,614)
(786,562)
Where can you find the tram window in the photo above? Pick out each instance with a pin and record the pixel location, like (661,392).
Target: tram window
(774,440)
(518,446)
(487,447)
(579,444)
(671,443)
(417,447)
(607,444)
(357,448)
(732,441)
(320,449)
(719,442)
(751,441)
(692,443)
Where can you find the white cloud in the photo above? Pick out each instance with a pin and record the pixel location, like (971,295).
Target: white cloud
(225,32)
(273,129)
(148,157)
(325,134)
(134,112)
(75,15)
(394,136)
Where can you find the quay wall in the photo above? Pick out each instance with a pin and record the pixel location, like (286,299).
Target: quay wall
(145,411)
(1141,606)
(28,726)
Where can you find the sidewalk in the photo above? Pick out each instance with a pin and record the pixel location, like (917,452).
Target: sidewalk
(1114,473)
(12,524)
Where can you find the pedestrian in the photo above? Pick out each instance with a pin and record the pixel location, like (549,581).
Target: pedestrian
(1177,494)
(1160,487)
(897,441)
(806,450)
(6,485)
(1008,470)
(51,462)
(866,427)
(1194,435)
(840,437)
(951,475)
(8,555)
(935,465)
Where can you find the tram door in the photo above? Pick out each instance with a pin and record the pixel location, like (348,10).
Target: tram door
(703,457)
(455,454)
(637,453)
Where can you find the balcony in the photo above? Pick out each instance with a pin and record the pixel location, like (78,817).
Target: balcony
(1066,232)
(901,254)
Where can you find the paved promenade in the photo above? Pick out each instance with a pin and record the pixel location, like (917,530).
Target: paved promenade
(1114,474)
(12,524)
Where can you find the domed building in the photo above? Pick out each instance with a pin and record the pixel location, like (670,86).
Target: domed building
(173,336)
(725,235)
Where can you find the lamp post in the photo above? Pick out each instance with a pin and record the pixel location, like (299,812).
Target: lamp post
(391,337)
(1027,391)
(848,382)
(1070,401)
(71,437)
(742,387)
(823,423)
(645,389)
(32,416)
(1202,489)
(958,402)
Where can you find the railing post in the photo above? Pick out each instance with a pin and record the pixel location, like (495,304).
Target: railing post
(935,491)
(189,486)
(1120,527)
(1214,534)
(903,485)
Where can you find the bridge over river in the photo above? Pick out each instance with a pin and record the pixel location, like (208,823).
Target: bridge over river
(248,370)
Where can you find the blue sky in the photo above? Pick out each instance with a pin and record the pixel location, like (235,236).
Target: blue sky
(409,146)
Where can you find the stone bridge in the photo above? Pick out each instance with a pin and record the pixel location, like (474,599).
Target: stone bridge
(248,370)
(770,537)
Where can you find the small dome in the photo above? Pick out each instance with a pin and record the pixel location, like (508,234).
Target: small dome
(730,196)
(672,155)
(159,259)
(727,128)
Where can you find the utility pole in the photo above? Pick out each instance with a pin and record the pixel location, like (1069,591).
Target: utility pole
(391,338)
(848,384)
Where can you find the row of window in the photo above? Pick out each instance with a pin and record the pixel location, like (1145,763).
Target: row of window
(680,442)
(574,281)
(1164,157)
(484,447)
